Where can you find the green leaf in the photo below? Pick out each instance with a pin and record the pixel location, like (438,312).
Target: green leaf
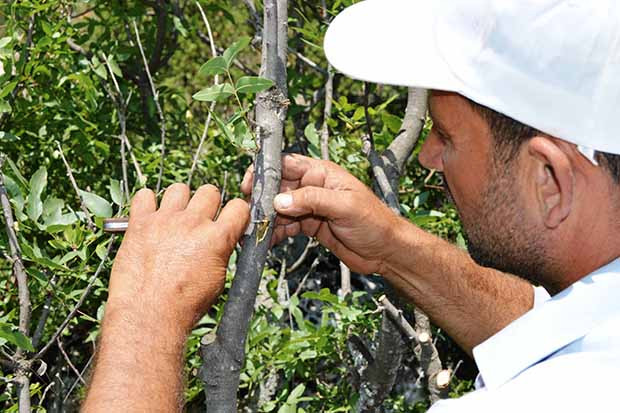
(253,84)
(8,88)
(15,337)
(314,147)
(393,123)
(38,181)
(115,191)
(179,26)
(5,41)
(8,137)
(96,205)
(215,93)
(215,66)
(230,53)
(224,128)
(243,137)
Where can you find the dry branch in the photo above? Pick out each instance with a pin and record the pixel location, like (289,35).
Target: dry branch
(223,354)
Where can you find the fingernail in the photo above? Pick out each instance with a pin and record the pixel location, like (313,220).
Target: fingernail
(283,201)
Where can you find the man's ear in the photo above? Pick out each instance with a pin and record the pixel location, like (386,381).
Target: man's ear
(553,180)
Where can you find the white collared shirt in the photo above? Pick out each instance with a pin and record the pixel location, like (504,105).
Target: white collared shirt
(561,356)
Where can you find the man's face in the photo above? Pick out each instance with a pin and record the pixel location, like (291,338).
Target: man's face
(486,192)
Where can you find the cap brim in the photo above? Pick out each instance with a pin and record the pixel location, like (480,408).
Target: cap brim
(391,42)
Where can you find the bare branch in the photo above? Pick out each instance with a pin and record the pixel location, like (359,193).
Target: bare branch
(45,312)
(160,113)
(209,115)
(302,257)
(89,222)
(77,306)
(66,356)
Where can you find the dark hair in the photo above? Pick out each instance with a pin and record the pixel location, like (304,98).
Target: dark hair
(509,135)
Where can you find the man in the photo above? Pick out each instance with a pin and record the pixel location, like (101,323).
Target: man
(539,198)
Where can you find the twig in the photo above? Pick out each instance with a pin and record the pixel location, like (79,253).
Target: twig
(77,306)
(89,222)
(302,257)
(45,312)
(77,380)
(327,113)
(303,280)
(208,121)
(66,356)
(162,120)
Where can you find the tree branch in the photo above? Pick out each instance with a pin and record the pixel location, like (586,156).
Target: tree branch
(77,306)
(22,376)
(89,222)
(160,113)
(208,121)
(223,354)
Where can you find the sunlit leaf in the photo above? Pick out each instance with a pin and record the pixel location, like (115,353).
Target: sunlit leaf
(232,52)
(215,93)
(215,66)
(253,84)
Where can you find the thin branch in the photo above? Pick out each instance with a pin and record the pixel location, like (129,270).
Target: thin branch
(66,356)
(77,380)
(45,312)
(160,113)
(89,222)
(302,257)
(303,280)
(77,306)
(209,115)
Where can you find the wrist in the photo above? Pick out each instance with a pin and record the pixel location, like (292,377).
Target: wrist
(399,239)
(137,325)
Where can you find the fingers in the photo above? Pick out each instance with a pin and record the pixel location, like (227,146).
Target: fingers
(143,203)
(175,198)
(316,201)
(205,202)
(233,220)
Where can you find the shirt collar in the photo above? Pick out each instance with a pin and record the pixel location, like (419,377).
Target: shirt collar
(542,331)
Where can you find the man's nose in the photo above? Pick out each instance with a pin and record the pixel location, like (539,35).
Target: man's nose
(431,153)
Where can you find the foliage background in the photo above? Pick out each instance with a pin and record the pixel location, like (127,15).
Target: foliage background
(52,94)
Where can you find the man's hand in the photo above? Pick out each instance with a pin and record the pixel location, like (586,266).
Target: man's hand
(172,263)
(321,199)
(468,301)
(169,270)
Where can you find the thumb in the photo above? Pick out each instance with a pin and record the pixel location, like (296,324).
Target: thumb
(317,201)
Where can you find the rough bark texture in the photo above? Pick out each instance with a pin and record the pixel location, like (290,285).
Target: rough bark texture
(378,379)
(224,354)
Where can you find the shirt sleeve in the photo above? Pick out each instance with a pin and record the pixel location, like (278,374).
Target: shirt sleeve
(540,296)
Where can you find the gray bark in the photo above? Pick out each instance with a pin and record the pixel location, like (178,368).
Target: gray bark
(223,354)
(378,379)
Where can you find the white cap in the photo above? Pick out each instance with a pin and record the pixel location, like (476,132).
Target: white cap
(551,64)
